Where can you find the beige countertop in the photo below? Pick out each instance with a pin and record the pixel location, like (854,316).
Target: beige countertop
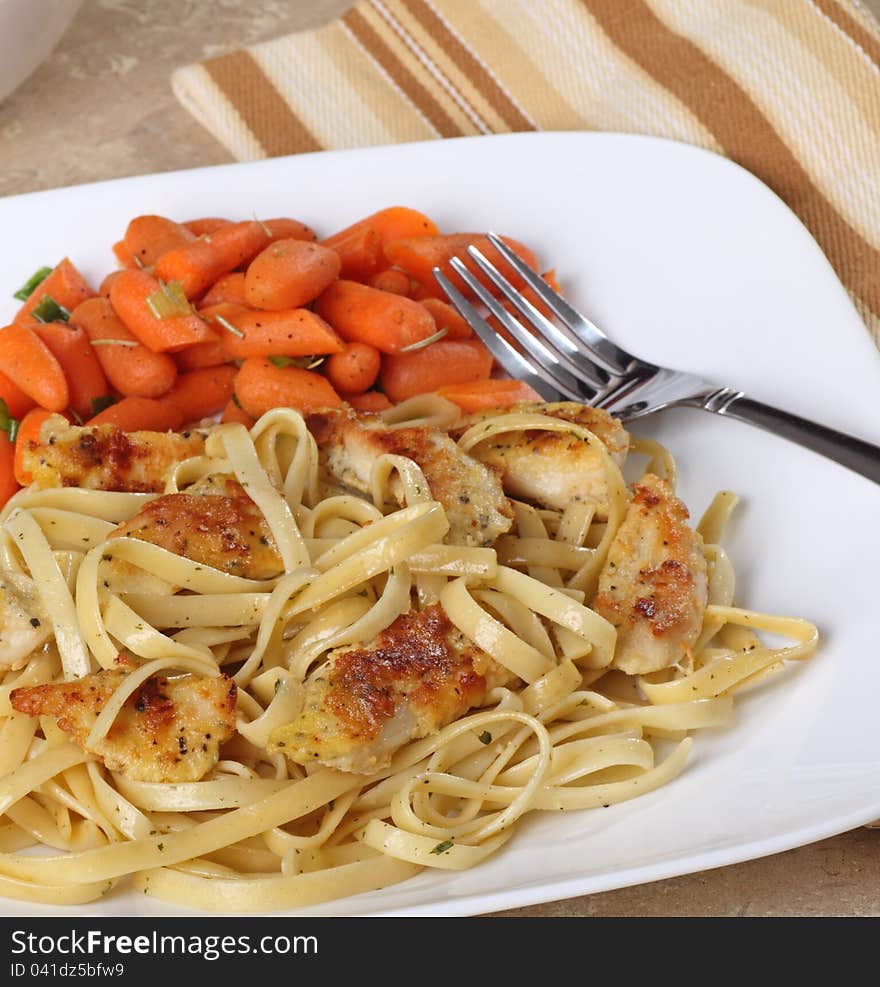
(101,107)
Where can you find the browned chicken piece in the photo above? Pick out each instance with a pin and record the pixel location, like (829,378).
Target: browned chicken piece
(103,457)
(213,523)
(477,510)
(552,469)
(364,703)
(653,587)
(169,730)
(24,624)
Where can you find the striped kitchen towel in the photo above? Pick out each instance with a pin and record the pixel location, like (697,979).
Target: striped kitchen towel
(789,89)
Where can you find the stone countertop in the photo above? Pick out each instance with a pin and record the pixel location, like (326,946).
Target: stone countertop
(101,107)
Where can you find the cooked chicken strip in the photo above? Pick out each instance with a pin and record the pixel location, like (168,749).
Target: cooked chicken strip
(214,523)
(477,510)
(362,704)
(24,624)
(169,730)
(552,469)
(103,457)
(653,587)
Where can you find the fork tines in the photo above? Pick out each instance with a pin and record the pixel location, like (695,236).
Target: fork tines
(573,358)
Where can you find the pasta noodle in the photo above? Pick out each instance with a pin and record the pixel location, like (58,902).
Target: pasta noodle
(260,832)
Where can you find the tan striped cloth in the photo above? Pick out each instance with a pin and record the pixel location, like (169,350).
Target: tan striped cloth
(790,89)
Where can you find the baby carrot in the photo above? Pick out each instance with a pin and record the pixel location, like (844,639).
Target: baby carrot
(366,315)
(288,229)
(446,317)
(355,369)
(201,393)
(104,287)
(207,225)
(128,296)
(360,252)
(140,415)
(147,238)
(418,256)
(289,274)
(295,332)
(28,436)
(8,484)
(393,280)
(371,401)
(392,223)
(18,404)
(261,386)
(201,355)
(455,361)
(65,285)
(235,413)
(26,359)
(130,367)
(70,346)
(491,393)
(228,289)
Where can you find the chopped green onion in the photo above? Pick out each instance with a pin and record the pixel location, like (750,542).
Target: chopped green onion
(302,362)
(48,310)
(8,424)
(102,403)
(168,301)
(422,343)
(485,737)
(443,847)
(228,326)
(131,343)
(138,262)
(30,286)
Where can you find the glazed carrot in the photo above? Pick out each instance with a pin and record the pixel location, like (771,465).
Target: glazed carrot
(18,404)
(289,229)
(140,415)
(368,401)
(147,238)
(207,225)
(397,282)
(393,223)
(199,264)
(418,256)
(210,354)
(28,432)
(65,285)
(70,346)
(361,314)
(491,393)
(104,288)
(29,363)
(8,484)
(196,266)
(446,317)
(201,393)
(360,253)
(228,289)
(289,274)
(128,296)
(261,386)
(130,367)
(294,332)
(355,369)
(440,364)
(235,413)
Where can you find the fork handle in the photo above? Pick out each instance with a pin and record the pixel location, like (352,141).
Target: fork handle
(856,454)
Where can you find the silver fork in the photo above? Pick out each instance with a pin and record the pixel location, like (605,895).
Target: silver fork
(572,358)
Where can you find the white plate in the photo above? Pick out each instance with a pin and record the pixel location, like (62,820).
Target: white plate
(690,261)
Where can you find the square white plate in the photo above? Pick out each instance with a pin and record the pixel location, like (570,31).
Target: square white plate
(688,260)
